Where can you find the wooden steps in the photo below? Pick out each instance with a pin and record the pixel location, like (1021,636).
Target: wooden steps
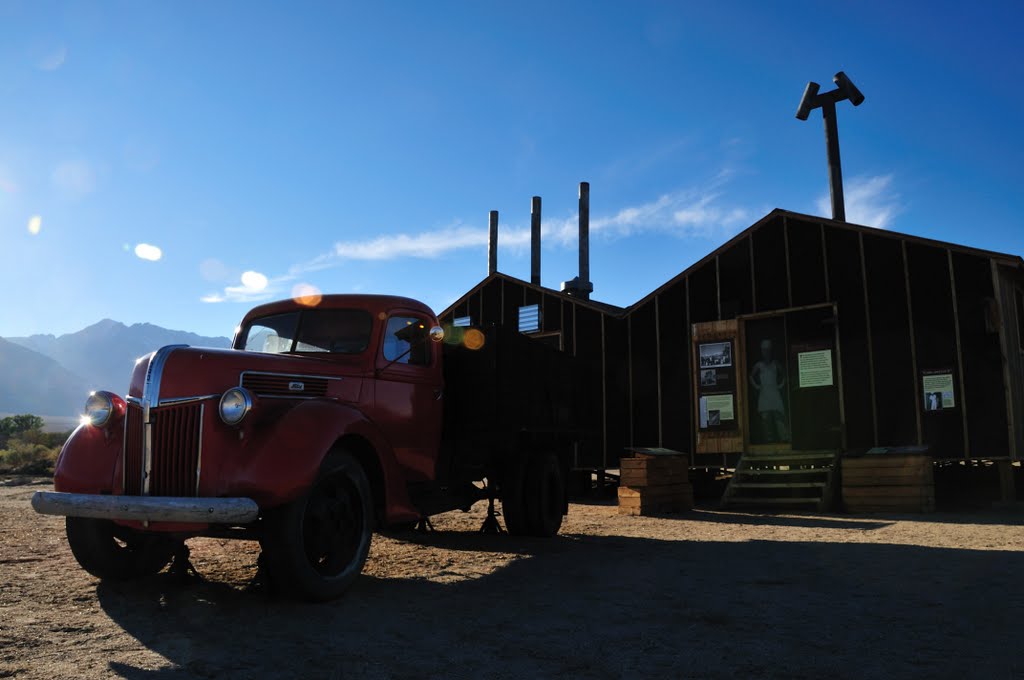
(798,479)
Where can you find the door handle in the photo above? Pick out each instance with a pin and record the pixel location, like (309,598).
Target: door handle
(438,393)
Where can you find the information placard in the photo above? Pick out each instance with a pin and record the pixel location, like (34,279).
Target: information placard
(938,390)
(815,368)
(715,409)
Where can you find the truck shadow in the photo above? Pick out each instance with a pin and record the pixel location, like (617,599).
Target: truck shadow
(604,606)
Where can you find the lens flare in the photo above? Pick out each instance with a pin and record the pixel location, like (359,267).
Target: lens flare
(307,295)
(254,281)
(149,252)
(35,223)
(473,339)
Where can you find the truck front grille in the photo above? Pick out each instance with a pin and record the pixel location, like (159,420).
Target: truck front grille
(282,385)
(176,437)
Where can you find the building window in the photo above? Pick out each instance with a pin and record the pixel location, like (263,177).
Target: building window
(529,319)
(462,321)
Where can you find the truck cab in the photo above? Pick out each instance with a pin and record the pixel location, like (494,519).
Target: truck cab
(322,423)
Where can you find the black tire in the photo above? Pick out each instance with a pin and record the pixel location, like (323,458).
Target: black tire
(316,546)
(544,495)
(513,505)
(115,553)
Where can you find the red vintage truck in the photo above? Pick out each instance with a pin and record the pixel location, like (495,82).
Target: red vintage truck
(322,424)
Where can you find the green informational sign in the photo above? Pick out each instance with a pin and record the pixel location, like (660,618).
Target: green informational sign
(815,368)
(938,391)
(720,403)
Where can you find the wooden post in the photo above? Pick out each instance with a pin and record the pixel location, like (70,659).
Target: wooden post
(1007,487)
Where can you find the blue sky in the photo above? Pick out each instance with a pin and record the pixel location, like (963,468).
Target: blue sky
(260,147)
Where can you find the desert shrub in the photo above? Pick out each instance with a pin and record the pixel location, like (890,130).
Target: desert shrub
(27,458)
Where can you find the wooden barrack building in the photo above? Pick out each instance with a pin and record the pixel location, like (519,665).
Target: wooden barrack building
(800,333)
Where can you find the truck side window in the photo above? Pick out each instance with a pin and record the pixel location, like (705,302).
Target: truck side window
(406,342)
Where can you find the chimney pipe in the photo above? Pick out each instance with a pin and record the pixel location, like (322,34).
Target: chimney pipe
(585,286)
(581,286)
(535,240)
(492,244)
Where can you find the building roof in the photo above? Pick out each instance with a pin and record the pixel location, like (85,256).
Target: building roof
(602,307)
(611,310)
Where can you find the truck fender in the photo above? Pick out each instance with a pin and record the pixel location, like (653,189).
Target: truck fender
(285,463)
(88,460)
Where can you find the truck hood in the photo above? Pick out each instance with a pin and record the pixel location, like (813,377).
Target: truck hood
(178,372)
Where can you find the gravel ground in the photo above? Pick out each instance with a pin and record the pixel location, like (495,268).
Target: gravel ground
(705,594)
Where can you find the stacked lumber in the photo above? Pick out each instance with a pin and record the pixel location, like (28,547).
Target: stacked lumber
(889,483)
(650,484)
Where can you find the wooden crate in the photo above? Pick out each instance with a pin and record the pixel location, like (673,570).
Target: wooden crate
(657,499)
(651,484)
(889,483)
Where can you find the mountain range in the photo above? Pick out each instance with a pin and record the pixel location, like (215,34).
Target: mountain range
(51,375)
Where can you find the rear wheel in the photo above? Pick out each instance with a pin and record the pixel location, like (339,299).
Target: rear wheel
(513,497)
(112,552)
(533,495)
(545,495)
(316,545)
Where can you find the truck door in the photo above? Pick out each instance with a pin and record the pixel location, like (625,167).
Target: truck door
(408,393)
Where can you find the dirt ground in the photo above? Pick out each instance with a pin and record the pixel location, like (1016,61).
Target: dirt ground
(705,594)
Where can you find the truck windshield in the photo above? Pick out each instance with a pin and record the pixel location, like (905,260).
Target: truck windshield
(338,331)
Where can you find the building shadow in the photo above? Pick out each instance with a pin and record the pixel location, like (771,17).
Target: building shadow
(605,606)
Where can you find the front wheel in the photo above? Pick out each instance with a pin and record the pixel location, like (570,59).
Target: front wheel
(316,545)
(112,552)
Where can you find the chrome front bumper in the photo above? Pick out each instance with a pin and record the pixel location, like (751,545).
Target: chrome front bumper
(147,508)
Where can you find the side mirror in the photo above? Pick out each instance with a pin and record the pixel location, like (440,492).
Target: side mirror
(437,334)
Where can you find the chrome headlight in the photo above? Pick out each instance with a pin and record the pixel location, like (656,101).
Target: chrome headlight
(99,408)
(234,405)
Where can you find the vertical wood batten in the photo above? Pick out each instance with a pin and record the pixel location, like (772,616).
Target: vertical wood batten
(718,291)
(629,365)
(997,293)
(913,345)
(824,262)
(604,397)
(753,274)
(789,278)
(657,360)
(689,373)
(839,372)
(959,353)
(870,339)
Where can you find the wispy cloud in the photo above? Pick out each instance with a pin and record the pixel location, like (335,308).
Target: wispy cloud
(700,212)
(870,200)
(53,60)
(696,212)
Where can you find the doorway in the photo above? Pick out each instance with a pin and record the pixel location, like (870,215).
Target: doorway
(794,385)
